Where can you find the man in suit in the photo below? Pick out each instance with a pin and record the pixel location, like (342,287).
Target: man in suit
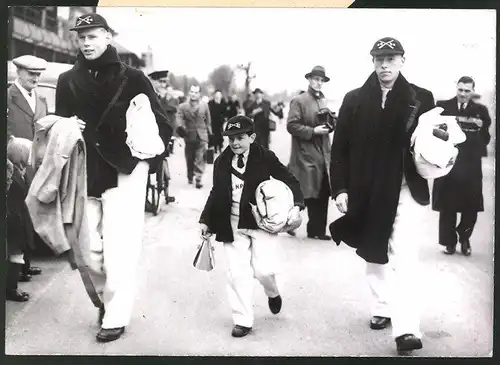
(195,127)
(25,107)
(461,191)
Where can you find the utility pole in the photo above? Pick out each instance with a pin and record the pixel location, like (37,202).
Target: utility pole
(248,77)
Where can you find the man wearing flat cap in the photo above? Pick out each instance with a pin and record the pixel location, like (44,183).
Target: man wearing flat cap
(98,91)
(310,155)
(251,252)
(25,106)
(376,184)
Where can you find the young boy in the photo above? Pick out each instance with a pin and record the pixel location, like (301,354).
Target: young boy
(250,252)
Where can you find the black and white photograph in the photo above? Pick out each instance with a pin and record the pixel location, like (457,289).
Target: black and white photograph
(254,182)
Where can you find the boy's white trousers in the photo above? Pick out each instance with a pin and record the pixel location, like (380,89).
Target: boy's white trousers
(116,223)
(253,254)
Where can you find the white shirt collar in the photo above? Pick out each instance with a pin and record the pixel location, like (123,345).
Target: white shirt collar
(30,99)
(245,155)
(460,104)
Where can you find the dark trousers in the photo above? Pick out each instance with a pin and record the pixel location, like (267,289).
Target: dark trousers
(448,228)
(27,260)
(13,271)
(317,210)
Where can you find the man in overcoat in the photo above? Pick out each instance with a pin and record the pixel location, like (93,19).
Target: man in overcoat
(195,127)
(260,111)
(97,91)
(25,106)
(310,155)
(218,109)
(376,185)
(461,191)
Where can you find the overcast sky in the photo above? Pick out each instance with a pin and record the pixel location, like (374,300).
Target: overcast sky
(284,44)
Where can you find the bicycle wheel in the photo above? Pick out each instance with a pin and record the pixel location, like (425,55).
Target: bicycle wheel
(152,196)
(165,179)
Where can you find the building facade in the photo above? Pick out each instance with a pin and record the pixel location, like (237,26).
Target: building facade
(43,31)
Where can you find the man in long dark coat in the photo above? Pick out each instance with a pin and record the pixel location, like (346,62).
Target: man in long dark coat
(217,107)
(260,111)
(375,182)
(310,155)
(461,191)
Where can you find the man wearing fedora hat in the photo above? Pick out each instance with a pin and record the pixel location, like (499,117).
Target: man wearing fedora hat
(376,184)
(98,91)
(251,252)
(25,106)
(310,155)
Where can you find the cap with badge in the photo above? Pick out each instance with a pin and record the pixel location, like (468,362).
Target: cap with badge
(30,63)
(156,75)
(91,20)
(387,46)
(237,125)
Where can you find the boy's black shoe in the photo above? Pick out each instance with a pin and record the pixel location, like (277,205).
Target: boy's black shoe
(110,334)
(275,304)
(33,270)
(24,277)
(240,331)
(379,323)
(199,185)
(408,342)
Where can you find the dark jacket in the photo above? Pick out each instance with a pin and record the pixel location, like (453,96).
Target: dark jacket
(78,93)
(310,155)
(217,116)
(370,154)
(232,108)
(462,189)
(261,165)
(261,121)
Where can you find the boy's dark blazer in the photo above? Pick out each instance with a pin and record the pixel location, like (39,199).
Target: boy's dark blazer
(261,165)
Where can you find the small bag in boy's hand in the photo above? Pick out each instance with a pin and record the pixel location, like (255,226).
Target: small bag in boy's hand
(205,258)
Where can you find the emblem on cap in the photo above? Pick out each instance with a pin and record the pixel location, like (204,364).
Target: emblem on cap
(87,19)
(390,43)
(234,125)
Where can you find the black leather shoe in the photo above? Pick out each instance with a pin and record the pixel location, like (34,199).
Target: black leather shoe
(322,237)
(110,334)
(465,246)
(275,304)
(17,296)
(408,342)
(450,250)
(33,270)
(379,323)
(199,185)
(102,312)
(25,277)
(292,233)
(170,199)
(190,181)
(240,331)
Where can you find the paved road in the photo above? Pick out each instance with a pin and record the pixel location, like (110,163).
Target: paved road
(181,311)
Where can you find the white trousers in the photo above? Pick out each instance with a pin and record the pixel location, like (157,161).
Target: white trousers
(395,286)
(116,223)
(252,254)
